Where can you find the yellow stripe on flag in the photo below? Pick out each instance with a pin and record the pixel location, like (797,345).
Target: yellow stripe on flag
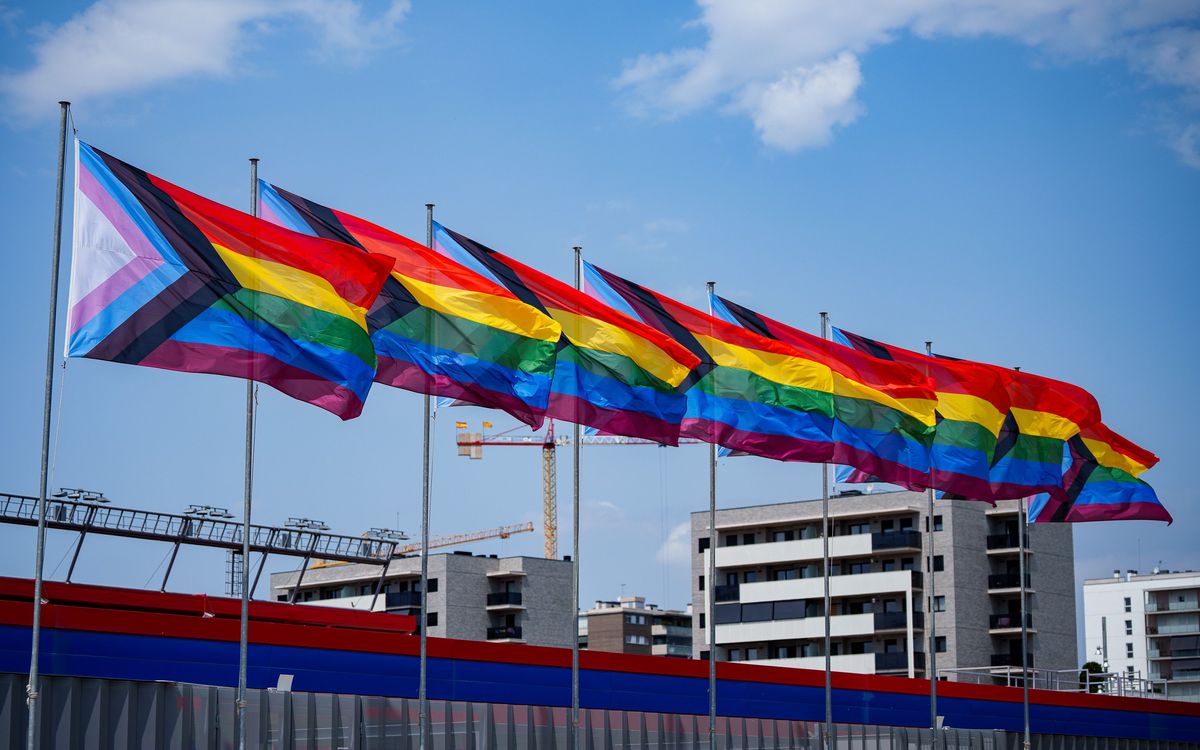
(963,408)
(503,313)
(591,333)
(1044,424)
(286,282)
(1106,456)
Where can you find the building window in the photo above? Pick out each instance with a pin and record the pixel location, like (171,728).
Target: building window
(747,539)
(431,619)
(635,619)
(637,640)
(752,654)
(702,621)
(1129,627)
(785,574)
(1129,670)
(731,540)
(889,565)
(939,563)
(750,576)
(433,585)
(702,545)
(906,563)
(937,523)
(735,654)
(1128,604)
(906,523)
(781,536)
(703,654)
(859,528)
(939,644)
(939,604)
(1128,650)
(785,652)
(701,583)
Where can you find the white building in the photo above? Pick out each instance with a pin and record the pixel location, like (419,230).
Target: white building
(1146,626)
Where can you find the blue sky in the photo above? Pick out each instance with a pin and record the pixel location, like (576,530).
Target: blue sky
(1018,182)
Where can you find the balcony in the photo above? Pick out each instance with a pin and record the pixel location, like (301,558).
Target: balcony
(797,551)
(840,626)
(1003,581)
(1004,622)
(896,540)
(1153,606)
(897,621)
(857,663)
(1177,653)
(676,631)
(504,633)
(728,593)
(402,599)
(1003,542)
(504,600)
(893,662)
(1010,660)
(1173,627)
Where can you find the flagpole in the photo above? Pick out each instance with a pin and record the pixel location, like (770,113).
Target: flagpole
(31,689)
(575,553)
(1024,628)
(423,625)
(825,570)
(712,572)
(933,714)
(247,496)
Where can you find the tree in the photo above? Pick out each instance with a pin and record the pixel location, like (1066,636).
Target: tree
(1086,682)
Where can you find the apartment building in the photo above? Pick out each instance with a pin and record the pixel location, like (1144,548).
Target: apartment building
(768,597)
(631,626)
(1146,626)
(472,597)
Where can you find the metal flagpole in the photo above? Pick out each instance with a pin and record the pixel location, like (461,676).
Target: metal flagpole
(248,493)
(575,552)
(426,449)
(933,714)
(1024,623)
(825,566)
(712,573)
(31,689)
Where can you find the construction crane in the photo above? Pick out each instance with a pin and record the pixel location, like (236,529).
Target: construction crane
(447,540)
(470,444)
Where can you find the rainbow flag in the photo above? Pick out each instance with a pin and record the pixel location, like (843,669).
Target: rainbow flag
(756,395)
(972,405)
(881,413)
(438,327)
(613,372)
(1101,471)
(164,278)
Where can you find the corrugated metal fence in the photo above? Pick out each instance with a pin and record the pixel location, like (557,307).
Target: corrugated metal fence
(82,713)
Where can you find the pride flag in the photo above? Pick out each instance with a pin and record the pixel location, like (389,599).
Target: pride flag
(1101,471)
(438,327)
(164,278)
(881,413)
(613,372)
(972,404)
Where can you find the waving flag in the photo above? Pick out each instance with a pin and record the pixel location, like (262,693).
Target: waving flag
(972,404)
(1101,482)
(438,327)
(164,278)
(613,372)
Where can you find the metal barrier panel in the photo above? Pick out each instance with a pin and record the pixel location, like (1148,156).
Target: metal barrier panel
(87,714)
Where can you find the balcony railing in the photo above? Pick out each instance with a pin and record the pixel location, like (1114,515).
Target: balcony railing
(500,598)
(728,593)
(894,620)
(1003,541)
(504,632)
(887,662)
(1011,660)
(396,599)
(1154,606)
(1007,581)
(1009,621)
(906,539)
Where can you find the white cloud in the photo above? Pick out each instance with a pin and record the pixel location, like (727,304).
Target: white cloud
(120,46)
(792,66)
(676,549)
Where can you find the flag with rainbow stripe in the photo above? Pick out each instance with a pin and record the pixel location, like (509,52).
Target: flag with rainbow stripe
(613,372)
(165,278)
(438,327)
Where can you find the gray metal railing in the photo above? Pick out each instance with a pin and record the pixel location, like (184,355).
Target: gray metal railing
(86,713)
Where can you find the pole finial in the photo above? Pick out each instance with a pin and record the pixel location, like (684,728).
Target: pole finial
(64,103)
(430,205)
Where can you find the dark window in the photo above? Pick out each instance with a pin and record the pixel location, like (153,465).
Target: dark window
(782,536)
(937,523)
(726,614)
(432,585)
(906,563)
(859,528)
(939,563)
(1129,627)
(1128,650)
(747,539)
(887,525)
(701,583)
(785,574)
(702,544)
(431,619)
(731,540)
(702,621)
(785,652)
(939,604)
(1128,604)
(703,654)
(889,565)
(750,576)
(757,612)
(906,523)
(939,644)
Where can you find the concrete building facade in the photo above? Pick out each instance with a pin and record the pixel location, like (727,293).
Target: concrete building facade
(1146,626)
(769,589)
(631,626)
(473,597)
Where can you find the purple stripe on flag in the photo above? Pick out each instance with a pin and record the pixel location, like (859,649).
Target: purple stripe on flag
(614,422)
(403,374)
(1128,511)
(145,262)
